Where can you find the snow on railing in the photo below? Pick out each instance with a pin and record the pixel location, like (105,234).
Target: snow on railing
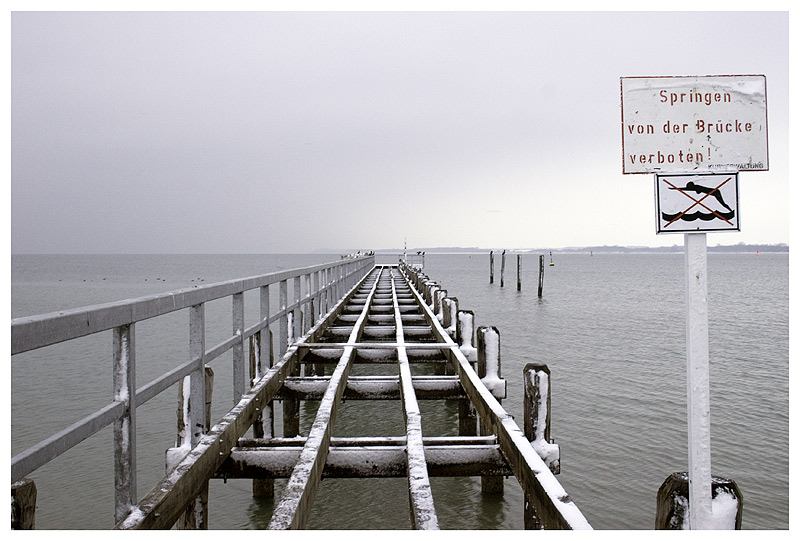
(332,281)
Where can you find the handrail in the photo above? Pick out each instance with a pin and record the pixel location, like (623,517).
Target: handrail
(331,281)
(33,332)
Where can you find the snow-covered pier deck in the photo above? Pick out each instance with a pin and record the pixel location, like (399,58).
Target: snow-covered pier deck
(385,314)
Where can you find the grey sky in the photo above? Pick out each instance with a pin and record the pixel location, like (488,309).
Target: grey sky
(244,132)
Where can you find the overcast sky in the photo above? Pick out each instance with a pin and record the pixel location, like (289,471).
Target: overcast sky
(242,132)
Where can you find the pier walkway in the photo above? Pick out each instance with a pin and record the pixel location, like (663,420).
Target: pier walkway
(344,313)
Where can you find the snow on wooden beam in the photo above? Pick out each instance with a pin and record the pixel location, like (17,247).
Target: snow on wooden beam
(423,511)
(294,509)
(374,388)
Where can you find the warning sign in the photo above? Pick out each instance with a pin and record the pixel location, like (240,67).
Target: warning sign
(694,124)
(697,203)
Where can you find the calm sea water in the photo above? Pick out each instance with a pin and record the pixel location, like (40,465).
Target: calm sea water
(609,326)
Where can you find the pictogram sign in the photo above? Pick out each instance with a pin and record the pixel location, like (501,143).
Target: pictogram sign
(697,203)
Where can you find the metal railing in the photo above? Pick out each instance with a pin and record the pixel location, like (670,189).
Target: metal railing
(324,285)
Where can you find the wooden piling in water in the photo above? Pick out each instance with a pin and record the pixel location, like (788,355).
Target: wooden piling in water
(502,268)
(541,274)
(672,501)
(491,267)
(519,276)
(23,505)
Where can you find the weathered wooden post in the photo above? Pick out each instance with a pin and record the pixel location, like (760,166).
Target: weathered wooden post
(124,381)
(194,413)
(238,347)
(283,324)
(536,381)
(541,274)
(196,515)
(519,276)
(502,268)
(489,372)
(291,406)
(491,267)
(673,504)
(297,314)
(450,316)
(23,505)
(438,304)
(262,488)
(467,415)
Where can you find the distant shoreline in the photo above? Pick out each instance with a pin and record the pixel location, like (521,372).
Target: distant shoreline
(733,248)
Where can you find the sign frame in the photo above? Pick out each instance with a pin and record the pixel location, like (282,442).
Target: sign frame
(694,124)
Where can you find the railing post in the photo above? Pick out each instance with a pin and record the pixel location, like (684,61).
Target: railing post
(195,414)
(238,348)
(265,335)
(309,318)
(298,313)
(283,325)
(262,426)
(328,293)
(316,302)
(291,406)
(124,381)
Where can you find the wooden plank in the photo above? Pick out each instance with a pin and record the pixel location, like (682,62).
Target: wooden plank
(375,388)
(292,512)
(365,461)
(423,511)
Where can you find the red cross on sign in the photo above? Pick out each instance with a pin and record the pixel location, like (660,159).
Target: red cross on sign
(697,203)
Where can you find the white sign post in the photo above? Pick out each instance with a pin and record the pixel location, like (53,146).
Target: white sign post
(687,130)
(697,380)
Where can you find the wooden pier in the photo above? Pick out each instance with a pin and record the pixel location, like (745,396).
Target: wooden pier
(353,312)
